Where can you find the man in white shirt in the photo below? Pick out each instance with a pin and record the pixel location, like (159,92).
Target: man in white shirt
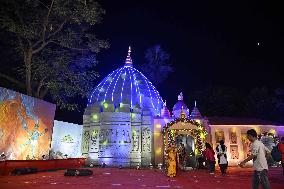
(258,155)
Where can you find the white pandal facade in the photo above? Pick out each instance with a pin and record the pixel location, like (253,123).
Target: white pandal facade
(117,136)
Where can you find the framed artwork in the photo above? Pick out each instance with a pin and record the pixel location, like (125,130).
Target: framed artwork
(219,135)
(26,125)
(233,137)
(246,145)
(234,151)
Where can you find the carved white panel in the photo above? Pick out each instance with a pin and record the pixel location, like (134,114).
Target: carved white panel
(135,117)
(85,140)
(147,120)
(135,139)
(146,139)
(86,119)
(115,116)
(94,139)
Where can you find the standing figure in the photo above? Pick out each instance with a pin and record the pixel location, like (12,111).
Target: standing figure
(210,157)
(258,155)
(281,150)
(221,150)
(172,162)
(33,137)
(181,155)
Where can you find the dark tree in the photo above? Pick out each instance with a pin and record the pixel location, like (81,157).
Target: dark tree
(264,103)
(56,46)
(157,67)
(220,101)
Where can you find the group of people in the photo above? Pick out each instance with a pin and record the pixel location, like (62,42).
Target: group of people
(209,155)
(259,155)
(177,156)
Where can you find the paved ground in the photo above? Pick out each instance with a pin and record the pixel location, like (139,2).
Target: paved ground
(104,178)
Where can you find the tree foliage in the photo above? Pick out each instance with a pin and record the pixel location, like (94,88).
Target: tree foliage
(220,101)
(157,67)
(258,102)
(266,103)
(56,45)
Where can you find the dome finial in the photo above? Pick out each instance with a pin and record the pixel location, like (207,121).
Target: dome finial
(180,96)
(128,61)
(195,103)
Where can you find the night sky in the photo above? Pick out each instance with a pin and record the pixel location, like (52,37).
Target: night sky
(211,43)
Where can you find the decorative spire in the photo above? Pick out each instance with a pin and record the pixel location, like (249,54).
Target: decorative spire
(165,112)
(180,96)
(165,103)
(195,114)
(128,61)
(182,113)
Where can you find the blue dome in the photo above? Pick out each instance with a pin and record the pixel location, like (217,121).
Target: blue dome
(179,105)
(127,85)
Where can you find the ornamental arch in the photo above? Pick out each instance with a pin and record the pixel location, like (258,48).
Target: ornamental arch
(183,126)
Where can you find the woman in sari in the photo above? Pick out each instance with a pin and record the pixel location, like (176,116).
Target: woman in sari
(172,162)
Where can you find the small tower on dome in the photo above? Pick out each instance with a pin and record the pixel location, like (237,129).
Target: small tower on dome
(195,113)
(180,96)
(182,113)
(178,107)
(165,111)
(128,61)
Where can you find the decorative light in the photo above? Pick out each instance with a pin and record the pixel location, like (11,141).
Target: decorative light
(95,116)
(134,132)
(137,86)
(158,126)
(109,79)
(90,99)
(145,79)
(110,84)
(199,133)
(105,142)
(272,131)
(122,88)
(130,77)
(158,151)
(105,105)
(108,88)
(115,85)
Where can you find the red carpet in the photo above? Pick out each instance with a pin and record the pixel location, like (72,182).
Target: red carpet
(237,178)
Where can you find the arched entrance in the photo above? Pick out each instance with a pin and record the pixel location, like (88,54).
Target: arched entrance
(187,132)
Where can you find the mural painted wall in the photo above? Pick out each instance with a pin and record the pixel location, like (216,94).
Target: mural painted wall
(66,139)
(25,125)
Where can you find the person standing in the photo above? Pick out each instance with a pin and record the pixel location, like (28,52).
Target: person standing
(182,154)
(210,157)
(221,150)
(172,162)
(281,150)
(258,155)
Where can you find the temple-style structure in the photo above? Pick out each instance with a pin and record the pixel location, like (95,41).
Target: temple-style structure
(126,123)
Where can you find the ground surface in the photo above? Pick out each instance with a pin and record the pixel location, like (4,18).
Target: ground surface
(104,178)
